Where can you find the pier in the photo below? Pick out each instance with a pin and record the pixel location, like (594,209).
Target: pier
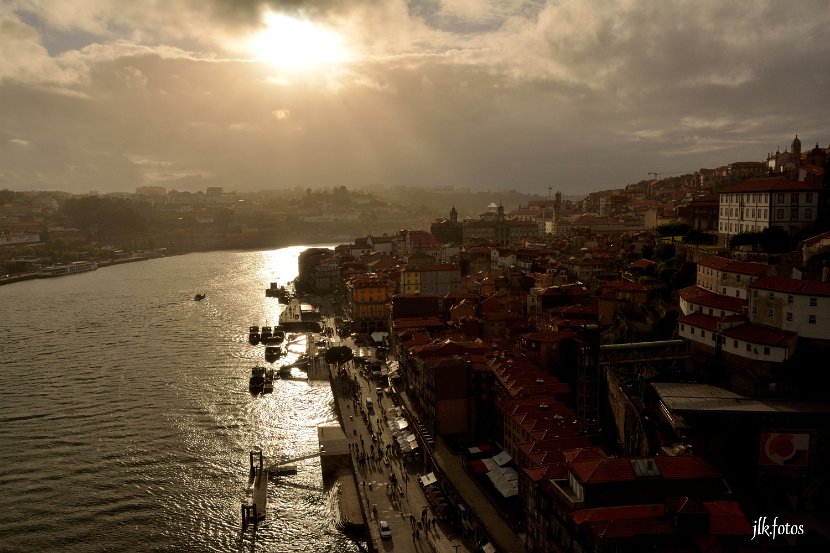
(254,511)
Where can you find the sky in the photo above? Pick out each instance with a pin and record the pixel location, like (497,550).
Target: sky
(569,95)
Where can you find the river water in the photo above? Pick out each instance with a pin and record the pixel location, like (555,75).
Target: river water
(125,416)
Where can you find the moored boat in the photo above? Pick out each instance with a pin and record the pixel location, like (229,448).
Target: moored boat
(276,337)
(200,297)
(272,353)
(69,269)
(257,380)
(268,385)
(253,335)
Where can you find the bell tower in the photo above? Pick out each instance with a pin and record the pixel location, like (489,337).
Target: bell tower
(795,149)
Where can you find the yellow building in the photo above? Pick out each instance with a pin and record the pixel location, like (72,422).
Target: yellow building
(368,296)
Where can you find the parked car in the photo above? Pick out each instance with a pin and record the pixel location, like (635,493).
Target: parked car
(385,531)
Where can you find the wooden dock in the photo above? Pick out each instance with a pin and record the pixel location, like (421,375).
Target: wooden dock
(253,511)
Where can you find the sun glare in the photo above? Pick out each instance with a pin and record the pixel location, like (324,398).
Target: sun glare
(290,43)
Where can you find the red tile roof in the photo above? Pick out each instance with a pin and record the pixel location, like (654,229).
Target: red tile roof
(726,518)
(701,296)
(621,469)
(708,322)
(624,286)
(714,262)
(762,335)
(584,454)
(770,184)
(641,264)
(609,523)
(416,322)
(731,266)
(793,286)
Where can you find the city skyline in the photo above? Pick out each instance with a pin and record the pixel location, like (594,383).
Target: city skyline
(524,95)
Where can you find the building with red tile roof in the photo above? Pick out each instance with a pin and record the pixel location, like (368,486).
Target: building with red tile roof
(728,277)
(694,299)
(757,204)
(800,306)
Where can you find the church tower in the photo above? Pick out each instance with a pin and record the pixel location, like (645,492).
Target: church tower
(795,149)
(453,215)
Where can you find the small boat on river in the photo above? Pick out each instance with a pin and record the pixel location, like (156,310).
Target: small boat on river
(277,336)
(257,380)
(200,297)
(272,353)
(253,335)
(268,386)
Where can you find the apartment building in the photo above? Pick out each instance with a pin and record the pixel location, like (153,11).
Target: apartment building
(758,204)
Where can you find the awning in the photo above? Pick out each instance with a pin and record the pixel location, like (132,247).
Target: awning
(505,480)
(502,458)
(490,464)
(428,479)
(475,450)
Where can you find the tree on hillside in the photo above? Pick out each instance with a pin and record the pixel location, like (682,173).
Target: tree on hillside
(769,240)
(673,229)
(105,217)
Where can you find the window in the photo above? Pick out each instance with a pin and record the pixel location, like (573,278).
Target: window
(790,300)
(780,198)
(808,214)
(779,214)
(813,302)
(703,334)
(789,316)
(739,278)
(755,293)
(794,198)
(748,347)
(794,214)
(735,344)
(766,351)
(692,330)
(809,198)
(769,312)
(737,293)
(682,327)
(812,319)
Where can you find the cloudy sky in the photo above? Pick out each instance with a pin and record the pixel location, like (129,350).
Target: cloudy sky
(578,95)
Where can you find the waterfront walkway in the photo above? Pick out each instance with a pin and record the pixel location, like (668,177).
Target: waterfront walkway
(388,487)
(450,467)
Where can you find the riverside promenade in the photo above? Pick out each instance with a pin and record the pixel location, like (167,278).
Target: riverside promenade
(387,487)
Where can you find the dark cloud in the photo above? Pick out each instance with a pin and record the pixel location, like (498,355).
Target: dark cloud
(517,94)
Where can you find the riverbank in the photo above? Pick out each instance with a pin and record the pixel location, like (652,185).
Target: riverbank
(11,279)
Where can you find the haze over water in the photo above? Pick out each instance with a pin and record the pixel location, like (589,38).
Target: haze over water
(126,421)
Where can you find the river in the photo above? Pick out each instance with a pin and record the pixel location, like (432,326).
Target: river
(126,421)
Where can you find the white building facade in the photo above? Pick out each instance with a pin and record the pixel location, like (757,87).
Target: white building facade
(757,204)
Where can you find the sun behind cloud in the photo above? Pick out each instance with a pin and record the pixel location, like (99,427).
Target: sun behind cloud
(296,44)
